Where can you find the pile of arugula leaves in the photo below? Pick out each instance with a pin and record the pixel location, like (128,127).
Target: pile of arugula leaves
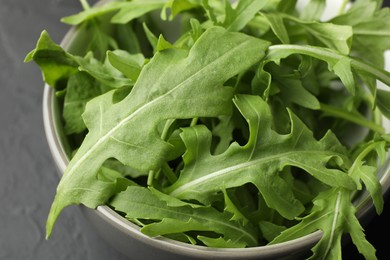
(252,124)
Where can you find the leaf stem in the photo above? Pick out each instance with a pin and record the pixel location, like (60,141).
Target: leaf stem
(328,55)
(168,124)
(359,157)
(151,177)
(342,7)
(168,172)
(136,221)
(85,4)
(370,147)
(357,119)
(194,121)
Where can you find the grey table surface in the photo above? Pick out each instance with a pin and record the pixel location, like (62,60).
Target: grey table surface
(28,176)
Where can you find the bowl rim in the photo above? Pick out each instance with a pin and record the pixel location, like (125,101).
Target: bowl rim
(57,150)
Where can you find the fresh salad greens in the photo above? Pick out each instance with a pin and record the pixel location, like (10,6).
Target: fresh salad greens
(225,124)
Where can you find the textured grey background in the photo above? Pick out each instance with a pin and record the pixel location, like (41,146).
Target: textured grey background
(27,174)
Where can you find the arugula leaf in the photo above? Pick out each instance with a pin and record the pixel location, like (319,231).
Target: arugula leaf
(352,116)
(178,6)
(124,11)
(140,203)
(93,12)
(292,91)
(100,40)
(80,89)
(313,10)
(135,9)
(286,6)
(277,25)
(127,38)
(129,64)
(59,66)
(220,242)
(237,215)
(337,37)
(55,63)
(245,10)
(371,31)
(277,52)
(334,214)
(270,230)
(367,174)
(224,131)
(163,44)
(184,80)
(256,162)
(103,72)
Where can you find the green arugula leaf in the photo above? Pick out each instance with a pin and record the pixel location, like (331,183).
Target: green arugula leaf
(177,77)
(127,38)
(140,203)
(59,66)
(371,31)
(214,10)
(270,230)
(367,174)
(103,72)
(178,6)
(334,214)
(135,9)
(224,131)
(129,64)
(65,64)
(124,11)
(100,40)
(337,37)
(220,242)
(112,175)
(163,44)
(237,215)
(93,12)
(351,116)
(256,162)
(277,25)
(359,12)
(287,6)
(245,10)
(55,63)
(124,170)
(374,30)
(277,52)
(313,10)
(153,39)
(80,89)
(292,91)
